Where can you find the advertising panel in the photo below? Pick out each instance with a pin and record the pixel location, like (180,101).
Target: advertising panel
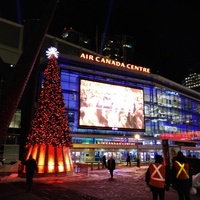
(109,106)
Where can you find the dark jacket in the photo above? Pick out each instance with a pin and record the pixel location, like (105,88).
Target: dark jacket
(111,164)
(104,159)
(128,159)
(31,166)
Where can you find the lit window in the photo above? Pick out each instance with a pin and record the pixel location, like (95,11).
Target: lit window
(16,120)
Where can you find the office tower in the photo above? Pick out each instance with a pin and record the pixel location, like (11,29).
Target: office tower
(76,37)
(192,80)
(119,48)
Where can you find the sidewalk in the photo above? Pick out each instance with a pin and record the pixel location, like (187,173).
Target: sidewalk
(128,183)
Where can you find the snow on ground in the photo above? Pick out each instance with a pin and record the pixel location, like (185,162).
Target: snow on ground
(128,184)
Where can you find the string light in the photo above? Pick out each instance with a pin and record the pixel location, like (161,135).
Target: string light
(50,123)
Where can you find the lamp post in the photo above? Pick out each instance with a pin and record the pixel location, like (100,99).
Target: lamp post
(137,137)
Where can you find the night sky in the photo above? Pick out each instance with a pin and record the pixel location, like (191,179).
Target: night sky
(166,32)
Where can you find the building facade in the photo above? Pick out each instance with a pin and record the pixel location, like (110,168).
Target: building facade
(118,47)
(76,37)
(192,80)
(95,87)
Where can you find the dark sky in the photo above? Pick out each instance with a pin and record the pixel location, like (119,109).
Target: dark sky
(166,32)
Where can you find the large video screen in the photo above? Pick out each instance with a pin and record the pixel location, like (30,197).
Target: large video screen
(109,106)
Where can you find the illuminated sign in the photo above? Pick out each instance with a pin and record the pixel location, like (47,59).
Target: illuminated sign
(172,93)
(114,63)
(117,143)
(110,106)
(170,128)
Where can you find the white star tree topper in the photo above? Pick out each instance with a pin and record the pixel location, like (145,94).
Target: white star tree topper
(52,51)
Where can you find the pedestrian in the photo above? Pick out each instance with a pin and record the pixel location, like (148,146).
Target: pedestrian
(111,165)
(31,167)
(181,176)
(157,178)
(104,161)
(128,160)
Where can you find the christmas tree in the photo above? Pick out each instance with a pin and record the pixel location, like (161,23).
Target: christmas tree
(50,123)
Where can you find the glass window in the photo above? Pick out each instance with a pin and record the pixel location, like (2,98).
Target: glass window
(165,110)
(16,120)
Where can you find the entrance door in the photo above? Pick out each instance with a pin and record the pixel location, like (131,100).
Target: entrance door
(77,157)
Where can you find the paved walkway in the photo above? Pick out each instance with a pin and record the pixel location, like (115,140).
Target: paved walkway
(128,184)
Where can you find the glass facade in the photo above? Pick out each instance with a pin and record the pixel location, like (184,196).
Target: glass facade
(165,111)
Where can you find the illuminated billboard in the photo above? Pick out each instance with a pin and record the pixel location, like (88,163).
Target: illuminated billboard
(109,106)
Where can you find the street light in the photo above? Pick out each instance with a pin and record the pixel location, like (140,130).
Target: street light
(137,137)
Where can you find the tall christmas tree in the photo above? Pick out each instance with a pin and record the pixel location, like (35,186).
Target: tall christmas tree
(50,124)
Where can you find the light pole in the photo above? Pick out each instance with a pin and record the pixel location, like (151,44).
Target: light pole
(137,137)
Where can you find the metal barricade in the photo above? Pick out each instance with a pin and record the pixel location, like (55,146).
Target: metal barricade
(81,168)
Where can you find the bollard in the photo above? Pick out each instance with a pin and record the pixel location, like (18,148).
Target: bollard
(21,172)
(130,163)
(138,162)
(99,165)
(92,166)
(86,169)
(103,166)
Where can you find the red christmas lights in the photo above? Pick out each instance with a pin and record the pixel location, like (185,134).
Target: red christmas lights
(50,123)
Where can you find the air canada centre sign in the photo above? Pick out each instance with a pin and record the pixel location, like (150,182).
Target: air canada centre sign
(115,63)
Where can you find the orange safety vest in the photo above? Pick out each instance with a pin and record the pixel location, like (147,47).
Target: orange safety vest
(157,175)
(182,170)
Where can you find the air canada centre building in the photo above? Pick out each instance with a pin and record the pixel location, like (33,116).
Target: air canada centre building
(108,102)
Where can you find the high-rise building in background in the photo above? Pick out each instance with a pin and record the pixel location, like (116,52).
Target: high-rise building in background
(115,47)
(192,80)
(76,37)
(119,48)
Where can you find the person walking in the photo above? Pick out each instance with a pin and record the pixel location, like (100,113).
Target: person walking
(111,165)
(31,167)
(104,161)
(156,178)
(128,160)
(181,176)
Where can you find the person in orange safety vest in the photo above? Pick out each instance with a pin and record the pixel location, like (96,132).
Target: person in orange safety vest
(181,176)
(157,179)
